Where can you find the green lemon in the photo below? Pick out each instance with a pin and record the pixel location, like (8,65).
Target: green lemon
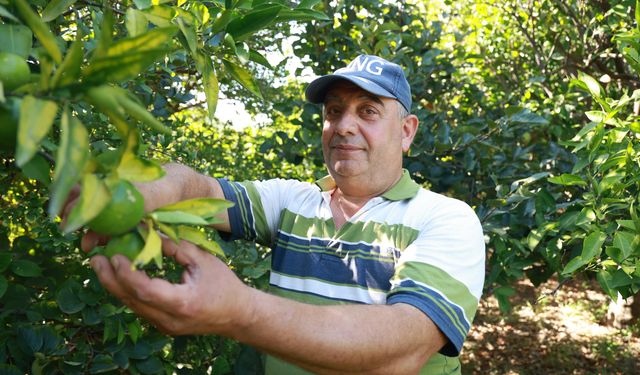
(14,71)
(122,213)
(129,244)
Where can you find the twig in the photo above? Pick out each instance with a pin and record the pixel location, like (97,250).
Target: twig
(553,292)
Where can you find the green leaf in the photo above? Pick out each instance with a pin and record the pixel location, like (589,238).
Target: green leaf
(138,112)
(56,8)
(591,84)
(300,14)
(133,168)
(102,363)
(255,56)
(104,98)
(38,168)
(211,87)
(6,14)
(573,265)
(94,196)
(592,246)
(177,217)
(40,29)
(221,21)
(136,22)
(189,32)
(626,242)
(202,207)
(198,237)
(69,71)
(15,39)
(169,230)
(567,180)
(152,248)
(243,76)
(638,14)
(251,22)
(4,284)
(5,261)
(36,118)
(26,268)
(160,16)
(68,300)
(308,4)
(71,159)
(128,57)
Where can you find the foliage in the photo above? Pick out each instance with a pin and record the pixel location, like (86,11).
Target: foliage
(529,112)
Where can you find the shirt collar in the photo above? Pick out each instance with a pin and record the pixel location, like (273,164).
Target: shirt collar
(405,188)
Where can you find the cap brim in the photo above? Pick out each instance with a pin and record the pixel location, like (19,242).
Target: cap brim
(317,89)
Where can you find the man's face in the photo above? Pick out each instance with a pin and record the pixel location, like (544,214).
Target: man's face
(363,135)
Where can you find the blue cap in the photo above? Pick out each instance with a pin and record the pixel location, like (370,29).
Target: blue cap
(371,73)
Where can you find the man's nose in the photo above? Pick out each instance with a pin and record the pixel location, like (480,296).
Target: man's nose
(347,123)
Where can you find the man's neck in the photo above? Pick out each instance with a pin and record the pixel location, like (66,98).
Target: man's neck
(348,198)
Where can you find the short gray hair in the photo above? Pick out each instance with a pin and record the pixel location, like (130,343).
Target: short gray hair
(402,111)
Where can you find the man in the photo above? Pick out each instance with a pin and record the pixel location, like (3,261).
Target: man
(378,275)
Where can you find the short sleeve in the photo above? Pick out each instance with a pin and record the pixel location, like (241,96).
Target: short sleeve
(258,206)
(442,271)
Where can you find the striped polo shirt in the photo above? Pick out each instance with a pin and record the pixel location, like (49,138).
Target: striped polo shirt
(409,245)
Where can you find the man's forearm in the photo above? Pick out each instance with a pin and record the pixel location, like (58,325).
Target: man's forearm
(342,338)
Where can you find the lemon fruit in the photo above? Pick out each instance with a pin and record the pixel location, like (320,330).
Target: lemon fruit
(14,71)
(122,213)
(129,244)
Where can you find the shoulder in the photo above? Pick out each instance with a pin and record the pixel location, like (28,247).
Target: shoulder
(430,206)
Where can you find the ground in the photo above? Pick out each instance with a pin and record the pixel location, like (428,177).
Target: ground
(551,331)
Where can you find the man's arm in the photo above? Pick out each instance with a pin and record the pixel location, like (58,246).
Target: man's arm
(181,183)
(384,339)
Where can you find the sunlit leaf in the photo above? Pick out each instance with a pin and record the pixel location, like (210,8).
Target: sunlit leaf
(189,33)
(69,71)
(243,76)
(71,158)
(202,207)
(301,14)
(136,22)
(567,180)
(94,196)
(199,238)
(177,217)
(211,87)
(592,246)
(134,168)
(56,8)
(152,249)
(128,57)
(308,4)
(36,118)
(626,242)
(40,29)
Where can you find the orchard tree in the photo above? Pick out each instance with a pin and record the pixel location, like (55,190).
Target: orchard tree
(87,97)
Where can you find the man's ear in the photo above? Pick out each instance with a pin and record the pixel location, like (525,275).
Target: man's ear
(409,129)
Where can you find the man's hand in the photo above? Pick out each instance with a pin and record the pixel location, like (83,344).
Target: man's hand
(209,300)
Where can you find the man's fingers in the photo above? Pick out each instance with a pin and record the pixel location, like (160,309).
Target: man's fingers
(185,253)
(115,281)
(92,239)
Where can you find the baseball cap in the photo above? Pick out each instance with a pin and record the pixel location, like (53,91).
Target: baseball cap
(371,73)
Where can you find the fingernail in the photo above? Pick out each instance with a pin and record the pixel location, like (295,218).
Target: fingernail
(115,263)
